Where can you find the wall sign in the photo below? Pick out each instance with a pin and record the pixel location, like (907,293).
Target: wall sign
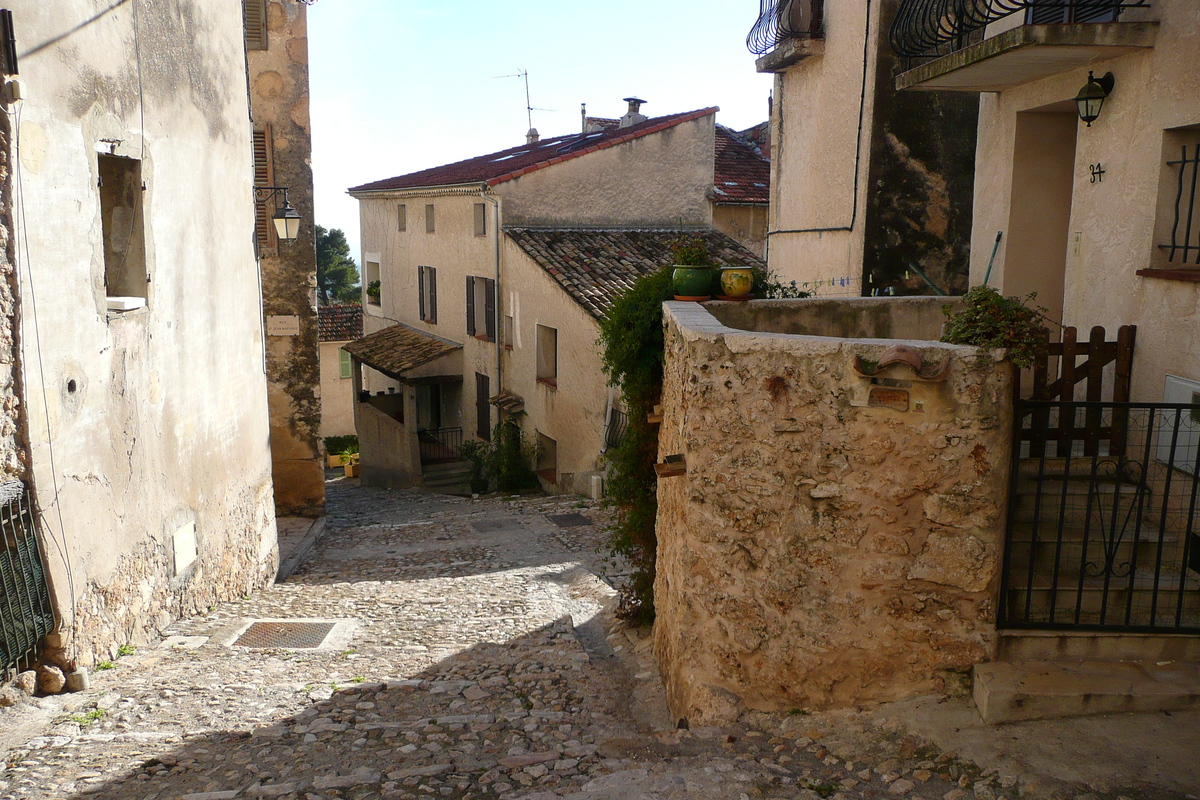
(1097,171)
(283,326)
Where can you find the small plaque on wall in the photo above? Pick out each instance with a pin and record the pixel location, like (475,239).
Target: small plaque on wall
(888,398)
(283,326)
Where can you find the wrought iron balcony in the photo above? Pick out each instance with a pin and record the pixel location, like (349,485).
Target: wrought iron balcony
(932,28)
(782,20)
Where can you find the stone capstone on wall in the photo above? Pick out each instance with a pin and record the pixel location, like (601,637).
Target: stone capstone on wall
(836,538)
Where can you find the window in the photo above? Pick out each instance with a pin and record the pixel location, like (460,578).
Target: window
(481,219)
(427,294)
(481,308)
(345,365)
(402,217)
(1178,227)
(254,17)
(264,175)
(547,355)
(507,333)
(122,225)
(429,218)
(547,458)
(483,408)
(374,286)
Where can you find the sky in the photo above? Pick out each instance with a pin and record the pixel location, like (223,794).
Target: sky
(402,85)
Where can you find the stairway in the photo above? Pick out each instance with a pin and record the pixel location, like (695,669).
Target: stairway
(447,477)
(1101,551)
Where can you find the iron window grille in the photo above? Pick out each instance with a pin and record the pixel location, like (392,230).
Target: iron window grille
(932,28)
(782,20)
(26,614)
(1187,216)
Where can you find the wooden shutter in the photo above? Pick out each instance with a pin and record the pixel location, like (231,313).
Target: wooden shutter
(489,306)
(431,312)
(470,306)
(421,292)
(254,16)
(1048,12)
(264,229)
(483,409)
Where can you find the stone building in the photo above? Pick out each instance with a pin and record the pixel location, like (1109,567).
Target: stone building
(871,188)
(491,274)
(338,325)
(136,402)
(277,57)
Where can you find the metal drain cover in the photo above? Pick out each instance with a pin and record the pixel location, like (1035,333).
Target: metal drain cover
(288,635)
(569,520)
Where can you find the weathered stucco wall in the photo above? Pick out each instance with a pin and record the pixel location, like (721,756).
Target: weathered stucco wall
(850,317)
(388,449)
(573,413)
(279,103)
(157,417)
(657,180)
(1113,229)
(745,224)
(820,551)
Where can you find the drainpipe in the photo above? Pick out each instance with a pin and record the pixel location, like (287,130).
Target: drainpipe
(483,193)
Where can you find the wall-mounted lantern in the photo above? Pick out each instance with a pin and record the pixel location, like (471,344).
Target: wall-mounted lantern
(285,218)
(1091,97)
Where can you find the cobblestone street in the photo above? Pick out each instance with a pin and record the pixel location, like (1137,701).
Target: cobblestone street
(467,651)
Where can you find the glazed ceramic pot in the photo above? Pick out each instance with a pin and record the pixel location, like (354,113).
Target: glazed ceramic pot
(736,282)
(692,283)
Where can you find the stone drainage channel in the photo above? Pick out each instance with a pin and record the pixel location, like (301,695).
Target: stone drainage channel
(435,647)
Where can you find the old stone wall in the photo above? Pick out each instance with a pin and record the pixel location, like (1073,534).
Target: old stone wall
(835,539)
(279,105)
(13,455)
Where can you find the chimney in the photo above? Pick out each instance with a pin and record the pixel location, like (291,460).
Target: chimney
(633,115)
(583,117)
(531,136)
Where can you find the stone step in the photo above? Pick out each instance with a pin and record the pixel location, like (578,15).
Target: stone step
(1095,646)
(445,468)
(1013,691)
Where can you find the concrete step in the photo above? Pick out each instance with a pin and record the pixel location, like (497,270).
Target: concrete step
(1024,690)
(1095,646)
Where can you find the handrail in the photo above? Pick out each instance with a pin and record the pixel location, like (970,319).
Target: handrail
(781,20)
(921,27)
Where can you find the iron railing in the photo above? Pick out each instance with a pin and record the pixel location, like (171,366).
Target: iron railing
(931,28)
(618,423)
(1187,217)
(781,20)
(1104,538)
(439,445)
(26,614)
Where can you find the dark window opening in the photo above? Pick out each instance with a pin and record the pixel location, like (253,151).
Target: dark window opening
(122,223)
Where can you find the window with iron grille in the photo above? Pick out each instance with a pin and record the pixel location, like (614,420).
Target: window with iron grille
(1178,226)
(26,613)
(254,16)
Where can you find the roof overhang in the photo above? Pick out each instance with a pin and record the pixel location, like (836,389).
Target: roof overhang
(407,355)
(473,188)
(1027,53)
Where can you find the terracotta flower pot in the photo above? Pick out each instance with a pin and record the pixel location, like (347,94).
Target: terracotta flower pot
(692,283)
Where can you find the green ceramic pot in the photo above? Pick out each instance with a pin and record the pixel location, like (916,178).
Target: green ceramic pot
(736,282)
(692,283)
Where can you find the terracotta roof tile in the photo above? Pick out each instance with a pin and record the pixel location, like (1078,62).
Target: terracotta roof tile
(339,323)
(506,165)
(741,174)
(395,350)
(595,267)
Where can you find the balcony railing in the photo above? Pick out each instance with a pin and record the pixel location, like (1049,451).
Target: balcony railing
(781,20)
(931,28)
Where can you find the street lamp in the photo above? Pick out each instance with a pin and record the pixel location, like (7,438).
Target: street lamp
(285,218)
(1091,97)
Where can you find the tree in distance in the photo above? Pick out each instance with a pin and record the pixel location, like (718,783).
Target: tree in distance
(337,273)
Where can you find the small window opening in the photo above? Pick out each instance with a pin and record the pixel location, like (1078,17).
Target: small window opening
(547,355)
(480,219)
(508,332)
(374,287)
(122,224)
(402,217)
(429,223)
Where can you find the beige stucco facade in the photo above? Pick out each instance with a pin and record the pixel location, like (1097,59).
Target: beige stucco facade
(1078,240)
(279,104)
(148,428)
(337,393)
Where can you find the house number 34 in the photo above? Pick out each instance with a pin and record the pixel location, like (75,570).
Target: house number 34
(1097,171)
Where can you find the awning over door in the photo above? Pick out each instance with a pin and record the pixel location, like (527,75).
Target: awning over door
(406,354)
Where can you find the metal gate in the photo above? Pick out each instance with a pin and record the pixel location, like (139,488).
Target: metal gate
(26,614)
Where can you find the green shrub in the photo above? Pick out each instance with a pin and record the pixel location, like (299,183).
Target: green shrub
(341,445)
(476,453)
(506,462)
(690,251)
(992,320)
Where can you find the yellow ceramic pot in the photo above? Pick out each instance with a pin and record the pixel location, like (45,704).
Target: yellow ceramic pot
(737,282)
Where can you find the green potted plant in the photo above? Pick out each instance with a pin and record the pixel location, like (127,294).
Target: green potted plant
(373,291)
(694,269)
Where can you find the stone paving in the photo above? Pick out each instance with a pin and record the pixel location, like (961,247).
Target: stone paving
(478,659)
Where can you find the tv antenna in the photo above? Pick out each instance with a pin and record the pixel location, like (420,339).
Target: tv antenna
(523,74)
